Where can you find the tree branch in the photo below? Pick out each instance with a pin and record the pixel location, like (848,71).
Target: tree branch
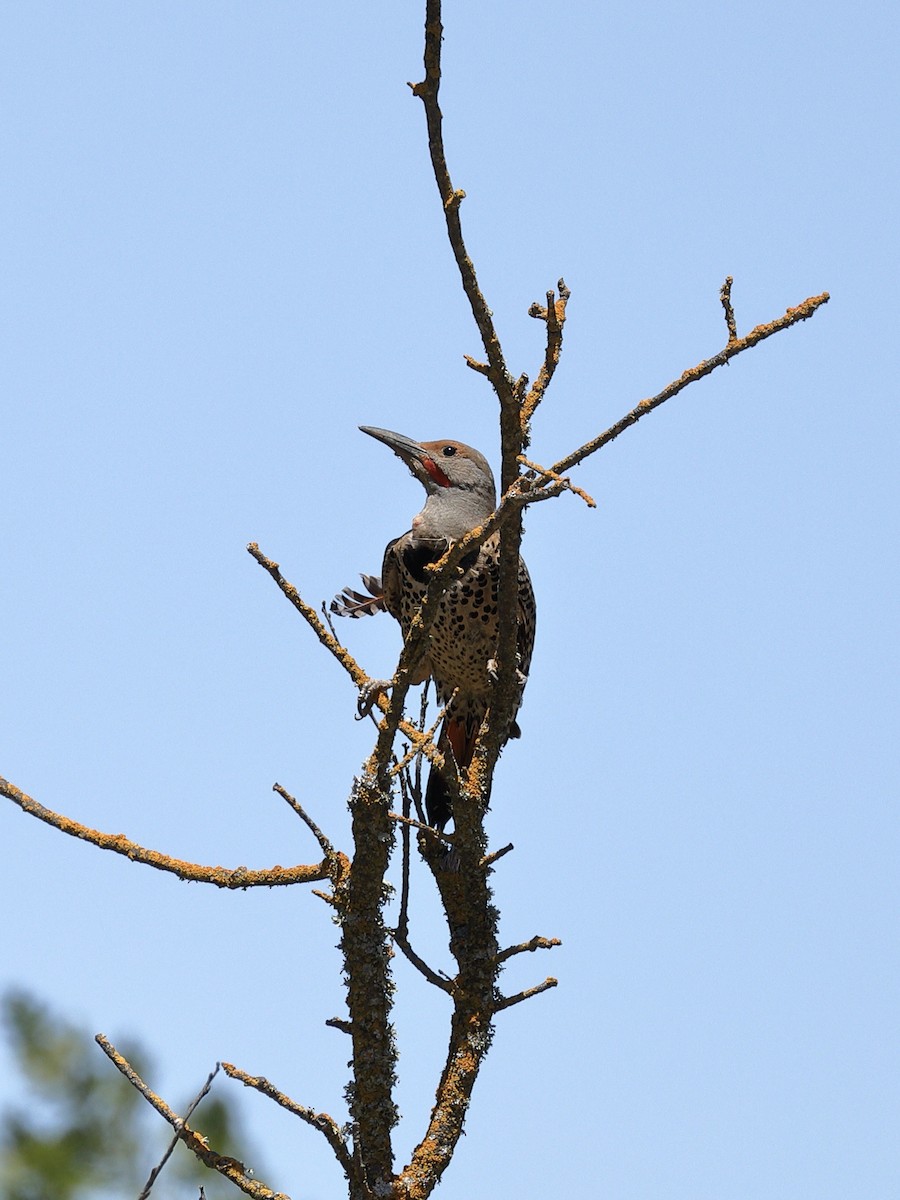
(309,614)
(327,849)
(735,346)
(564,483)
(191,1108)
(554,316)
(359,900)
(427,91)
(401,939)
(536,943)
(325,1124)
(472,922)
(725,297)
(195,1142)
(496,855)
(392,711)
(509,1001)
(223,877)
(429,830)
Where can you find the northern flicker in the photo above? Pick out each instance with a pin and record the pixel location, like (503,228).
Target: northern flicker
(460,495)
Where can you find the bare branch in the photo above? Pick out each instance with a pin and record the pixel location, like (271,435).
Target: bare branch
(339,1023)
(564,483)
(490,859)
(427,738)
(480,367)
(223,877)
(471,920)
(326,846)
(360,897)
(509,1001)
(309,614)
(406,788)
(793,316)
(393,710)
(195,1142)
(325,1124)
(155,1173)
(725,297)
(536,943)
(429,830)
(402,940)
(554,316)
(427,91)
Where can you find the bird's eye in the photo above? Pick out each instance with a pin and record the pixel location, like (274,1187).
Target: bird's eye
(448,451)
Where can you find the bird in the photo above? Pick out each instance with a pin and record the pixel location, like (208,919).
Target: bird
(461,655)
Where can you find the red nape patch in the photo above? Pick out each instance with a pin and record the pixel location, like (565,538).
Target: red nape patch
(435,471)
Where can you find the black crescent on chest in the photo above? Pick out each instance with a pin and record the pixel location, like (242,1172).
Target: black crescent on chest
(419,555)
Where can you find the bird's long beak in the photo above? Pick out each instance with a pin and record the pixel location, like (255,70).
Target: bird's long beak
(416,456)
(401,445)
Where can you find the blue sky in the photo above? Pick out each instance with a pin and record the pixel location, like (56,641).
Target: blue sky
(221,251)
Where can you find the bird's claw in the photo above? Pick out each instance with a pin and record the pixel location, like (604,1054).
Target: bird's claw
(368,696)
(493,672)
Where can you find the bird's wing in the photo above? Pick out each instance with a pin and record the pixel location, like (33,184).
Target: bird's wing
(391,584)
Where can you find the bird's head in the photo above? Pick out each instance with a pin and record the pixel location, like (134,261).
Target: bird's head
(457,479)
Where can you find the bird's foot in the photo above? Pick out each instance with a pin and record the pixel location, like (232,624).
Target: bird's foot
(493,671)
(368,696)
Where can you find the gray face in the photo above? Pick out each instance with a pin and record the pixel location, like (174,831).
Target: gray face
(457,479)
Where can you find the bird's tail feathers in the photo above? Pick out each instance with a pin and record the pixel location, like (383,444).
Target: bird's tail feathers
(457,739)
(348,603)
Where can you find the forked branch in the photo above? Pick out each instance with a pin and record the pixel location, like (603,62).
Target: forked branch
(233,1170)
(735,346)
(191,1108)
(223,877)
(554,317)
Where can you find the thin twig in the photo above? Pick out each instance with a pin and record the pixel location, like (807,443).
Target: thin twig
(326,616)
(725,297)
(191,1108)
(341,1024)
(490,859)
(554,316)
(793,316)
(195,1142)
(564,483)
(427,91)
(418,750)
(429,829)
(309,614)
(402,940)
(223,877)
(406,844)
(326,846)
(535,943)
(393,709)
(416,781)
(509,1001)
(325,1124)
(401,932)
(480,367)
